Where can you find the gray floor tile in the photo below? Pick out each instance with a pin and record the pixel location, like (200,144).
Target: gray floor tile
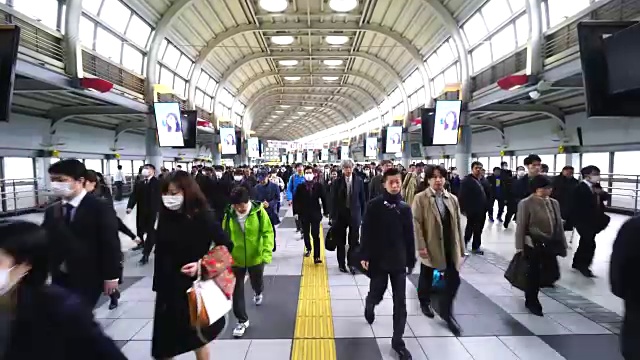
(530,348)
(585,347)
(412,345)
(125,329)
(383,327)
(357,348)
(139,310)
(422,326)
(345,293)
(351,327)
(235,349)
(541,325)
(578,324)
(138,294)
(127,282)
(146,333)
(275,349)
(137,350)
(287,223)
(491,325)
(275,318)
(444,348)
(487,348)
(103,311)
(347,307)
(342,280)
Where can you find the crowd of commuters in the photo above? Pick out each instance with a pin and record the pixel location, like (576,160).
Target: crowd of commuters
(384,219)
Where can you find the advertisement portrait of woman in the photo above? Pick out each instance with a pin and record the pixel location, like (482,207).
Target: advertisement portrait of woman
(451,121)
(230,139)
(172,123)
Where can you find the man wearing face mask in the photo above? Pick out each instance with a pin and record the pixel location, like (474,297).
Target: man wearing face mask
(268,193)
(240,180)
(306,208)
(146,196)
(83,231)
(522,187)
(292,185)
(588,217)
(376,187)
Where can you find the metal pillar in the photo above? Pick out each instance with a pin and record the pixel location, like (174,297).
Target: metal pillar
(406,151)
(153,153)
(72,50)
(43,180)
(534,46)
(463,151)
(216,157)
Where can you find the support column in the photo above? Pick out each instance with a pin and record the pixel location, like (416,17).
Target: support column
(534,46)
(216,156)
(406,151)
(572,160)
(42,177)
(153,153)
(463,150)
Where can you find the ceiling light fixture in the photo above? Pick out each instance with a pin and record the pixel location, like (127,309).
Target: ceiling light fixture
(285,106)
(292,78)
(288,62)
(330,78)
(295,117)
(282,40)
(337,39)
(334,62)
(279,111)
(309,107)
(301,112)
(342,5)
(276,5)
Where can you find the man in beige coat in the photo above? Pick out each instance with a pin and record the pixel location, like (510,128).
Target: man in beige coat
(438,236)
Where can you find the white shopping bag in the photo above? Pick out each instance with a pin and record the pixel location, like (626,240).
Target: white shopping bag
(211,299)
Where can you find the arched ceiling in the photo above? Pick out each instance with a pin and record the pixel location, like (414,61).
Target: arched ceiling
(235,42)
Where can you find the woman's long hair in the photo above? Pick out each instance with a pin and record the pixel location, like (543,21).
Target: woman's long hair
(194,200)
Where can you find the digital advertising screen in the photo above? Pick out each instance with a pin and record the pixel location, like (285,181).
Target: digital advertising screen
(394,140)
(253,148)
(371,147)
(299,157)
(189,128)
(228,141)
(168,124)
(290,159)
(310,156)
(344,152)
(283,159)
(325,155)
(447,120)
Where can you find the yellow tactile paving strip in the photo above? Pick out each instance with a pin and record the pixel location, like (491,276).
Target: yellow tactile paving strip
(313,338)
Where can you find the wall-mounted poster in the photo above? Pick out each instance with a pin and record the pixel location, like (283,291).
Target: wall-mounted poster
(344,152)
(253,145)
(394,139)
(228,141)
(371,147)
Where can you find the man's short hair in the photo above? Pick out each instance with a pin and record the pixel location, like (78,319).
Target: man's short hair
(390,172)
(346,163)
(531,159)
(72,168)
(239,195)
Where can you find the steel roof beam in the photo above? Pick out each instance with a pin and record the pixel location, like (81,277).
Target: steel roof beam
(71,40)
(291,113)
(59,115)
(287,100)
(493,124)
(283,91)
(317,116)
(333,111)
(370,80)
(549,110)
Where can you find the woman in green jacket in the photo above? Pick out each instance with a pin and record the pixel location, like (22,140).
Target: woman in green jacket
(250,230)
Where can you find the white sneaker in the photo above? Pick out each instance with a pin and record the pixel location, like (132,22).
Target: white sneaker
(257,299)
(240,329)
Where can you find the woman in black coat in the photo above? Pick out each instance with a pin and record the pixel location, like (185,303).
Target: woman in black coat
(186,230)
(39,321)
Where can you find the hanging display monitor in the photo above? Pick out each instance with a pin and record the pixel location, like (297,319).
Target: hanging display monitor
(283,159)
(344,152)
(290,159)
(298,157)
(168,124)
(394,140)
(371,149)
(189,128)
(447,121)
(253,145)
(228,141)
(310,156)
(325,155)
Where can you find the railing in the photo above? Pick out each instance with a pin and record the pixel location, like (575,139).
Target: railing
(24,195)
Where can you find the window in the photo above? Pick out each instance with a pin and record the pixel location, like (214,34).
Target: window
(445,55)
(561,10)
(503,42)
(87,30)
(184,66)
(451,74)
(601,160)
(548,160)
(166,77)
(561,161)
(474,29)
(481,57)
(138,31)
(208,103)
(179,86)
(199,100)
(115,14)
(517,5)
(624,163)
(495,12)
(91,6)
(45,12)
(211,87)
(522,30)
(438,84)
(132,59)
(93,164)
(202,80)
(108,45)
(171,56)
(433,63)
(395,97)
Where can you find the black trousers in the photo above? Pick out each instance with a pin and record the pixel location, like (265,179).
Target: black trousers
(118,194)
(274,237)
(90,294)
(451,286)
(311,230)
(583,257)
(256,278)
(475,224)
(511,213)
(533,256)
(298,224)
(340,227)
(500,208)
(630,331)
(377,287)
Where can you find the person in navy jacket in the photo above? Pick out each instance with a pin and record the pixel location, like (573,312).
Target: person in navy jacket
(268,193)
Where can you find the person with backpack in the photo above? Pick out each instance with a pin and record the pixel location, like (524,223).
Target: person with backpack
(249,228)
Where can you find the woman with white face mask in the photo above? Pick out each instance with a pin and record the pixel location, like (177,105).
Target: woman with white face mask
(40,321)
(186,229)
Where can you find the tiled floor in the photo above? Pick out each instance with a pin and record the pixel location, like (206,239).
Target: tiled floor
(580,322)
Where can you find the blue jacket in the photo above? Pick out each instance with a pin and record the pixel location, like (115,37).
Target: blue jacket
(271,194)
(294,181)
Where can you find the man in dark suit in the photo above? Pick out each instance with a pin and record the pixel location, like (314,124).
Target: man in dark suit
(146,195)
(83,230)
(474,197)
(347,208)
